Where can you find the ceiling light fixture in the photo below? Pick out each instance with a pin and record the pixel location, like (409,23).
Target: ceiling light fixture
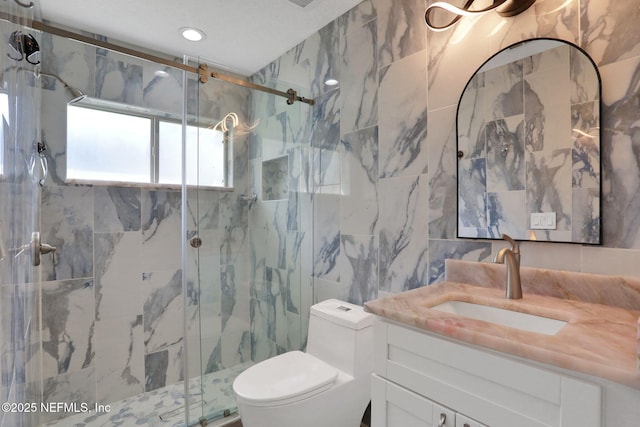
(331,82)
(192,34)
(505,8)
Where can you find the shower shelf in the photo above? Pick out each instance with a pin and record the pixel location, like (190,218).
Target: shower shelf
(275,178)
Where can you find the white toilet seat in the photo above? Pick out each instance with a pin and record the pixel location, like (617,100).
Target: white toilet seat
(287,378)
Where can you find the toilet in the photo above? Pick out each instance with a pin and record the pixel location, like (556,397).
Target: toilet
(329,385)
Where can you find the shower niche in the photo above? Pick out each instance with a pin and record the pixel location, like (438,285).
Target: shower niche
(275,178)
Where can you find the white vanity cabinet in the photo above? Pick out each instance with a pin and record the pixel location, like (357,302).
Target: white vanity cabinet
(396,406)
(462,421)
(419,375)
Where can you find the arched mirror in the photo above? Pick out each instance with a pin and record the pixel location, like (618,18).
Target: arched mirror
(528,129)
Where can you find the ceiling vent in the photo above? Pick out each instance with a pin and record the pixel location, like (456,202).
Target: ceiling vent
(302,3)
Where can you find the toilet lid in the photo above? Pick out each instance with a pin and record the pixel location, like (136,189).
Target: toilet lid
(285,378)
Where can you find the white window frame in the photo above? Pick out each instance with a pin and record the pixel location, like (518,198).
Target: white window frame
(155,119)
(3,97)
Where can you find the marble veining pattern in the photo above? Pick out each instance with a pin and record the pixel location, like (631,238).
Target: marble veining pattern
(403,125)
(604,29)
(549,190)
(327,113)
(67,326)
(116,209)
(67,217)
(117,80)
(441,149)
(118,278)
(119,358)
(163,309)
(361,14)
(326,237)
(505,154)
(74,387)
(360,268)
(359,74)
(586,152)
(20,358)
(307,141)
(401,30)
(321,54)
(597,340)
(403,247)
(359,204)
(164,406)
(472,199)
(620,156)
(506,214)
(443,251)
(160,230)
(553,283)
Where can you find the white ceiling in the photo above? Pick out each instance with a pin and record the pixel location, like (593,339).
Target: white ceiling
(241,35)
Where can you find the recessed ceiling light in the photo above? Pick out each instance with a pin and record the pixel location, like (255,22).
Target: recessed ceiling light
(161,73)
(331,82)
(192,34)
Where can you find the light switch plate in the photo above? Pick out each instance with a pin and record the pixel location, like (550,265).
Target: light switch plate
(543,221)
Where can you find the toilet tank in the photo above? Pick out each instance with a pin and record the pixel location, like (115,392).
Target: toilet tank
(341,334)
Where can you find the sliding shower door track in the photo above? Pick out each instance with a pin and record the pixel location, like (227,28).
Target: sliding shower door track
(204,74)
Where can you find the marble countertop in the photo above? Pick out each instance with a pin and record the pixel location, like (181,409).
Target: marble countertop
(599,340)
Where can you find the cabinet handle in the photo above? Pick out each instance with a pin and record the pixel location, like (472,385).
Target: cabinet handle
(443,419)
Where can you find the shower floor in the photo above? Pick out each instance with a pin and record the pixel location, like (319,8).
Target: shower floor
(165,406)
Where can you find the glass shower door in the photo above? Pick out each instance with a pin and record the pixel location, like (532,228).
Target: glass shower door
(216,250)
(248,241)
(21,169)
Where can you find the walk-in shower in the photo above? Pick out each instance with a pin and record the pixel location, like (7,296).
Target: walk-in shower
(159,291)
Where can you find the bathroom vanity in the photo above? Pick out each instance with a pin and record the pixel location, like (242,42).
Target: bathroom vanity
(436,368)
(414,370)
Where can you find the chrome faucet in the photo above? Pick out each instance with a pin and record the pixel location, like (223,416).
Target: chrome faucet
(512,255)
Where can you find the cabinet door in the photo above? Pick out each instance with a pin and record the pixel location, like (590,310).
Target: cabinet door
(394,406)
(462,421)
(443,417)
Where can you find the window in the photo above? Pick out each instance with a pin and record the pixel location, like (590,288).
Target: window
(4,111)
(203,145)
(117,146)
(107,146)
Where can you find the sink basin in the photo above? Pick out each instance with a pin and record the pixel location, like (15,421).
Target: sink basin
(500,316)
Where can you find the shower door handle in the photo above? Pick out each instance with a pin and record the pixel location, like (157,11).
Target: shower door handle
(38,248)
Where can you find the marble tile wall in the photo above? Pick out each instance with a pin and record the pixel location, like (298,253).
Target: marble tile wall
(576,286)
(371,206)
(387,221)
(280,221)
